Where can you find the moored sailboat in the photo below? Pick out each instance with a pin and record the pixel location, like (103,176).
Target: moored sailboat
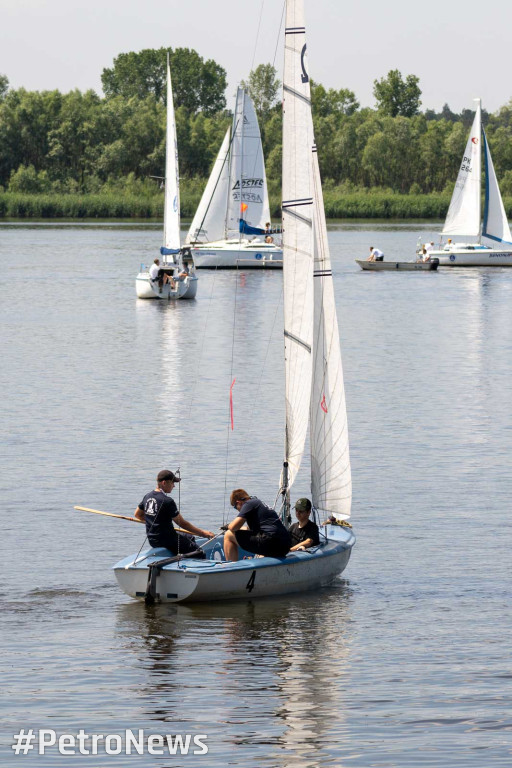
(177,263)
(314,389)
(464,213)
(229,227)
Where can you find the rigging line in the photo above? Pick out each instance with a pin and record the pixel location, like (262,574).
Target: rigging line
(198,366)
(258,388)
(231,379)
(257,34)
(278,35)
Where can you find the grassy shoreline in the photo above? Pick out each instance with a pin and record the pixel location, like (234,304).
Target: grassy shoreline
(338,205)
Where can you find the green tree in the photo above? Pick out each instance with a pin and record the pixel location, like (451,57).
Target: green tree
(263,87)
(332,102)
(198,85)
(395,96)
(4,85)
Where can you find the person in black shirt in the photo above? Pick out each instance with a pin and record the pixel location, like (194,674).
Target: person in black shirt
(159,512)
(266,535)
(304,533)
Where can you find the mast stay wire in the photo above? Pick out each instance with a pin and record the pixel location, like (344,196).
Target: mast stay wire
(224,516)
(250,420)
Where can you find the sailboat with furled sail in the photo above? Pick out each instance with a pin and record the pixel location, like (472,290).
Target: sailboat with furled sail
(174,277)
(314,389)
(464,213)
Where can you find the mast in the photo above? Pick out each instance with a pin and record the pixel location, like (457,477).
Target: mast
(241,176)
(232,150)
(297,218)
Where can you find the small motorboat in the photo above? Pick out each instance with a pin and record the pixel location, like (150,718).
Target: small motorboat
(393,266)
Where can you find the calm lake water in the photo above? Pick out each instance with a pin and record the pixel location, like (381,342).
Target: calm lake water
(405,661)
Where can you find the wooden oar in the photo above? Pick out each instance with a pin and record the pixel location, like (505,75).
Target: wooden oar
(108,514)
(121,517)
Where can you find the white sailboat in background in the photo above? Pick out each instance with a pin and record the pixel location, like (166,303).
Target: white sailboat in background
(177,263)
(314,390)
(228,229)
(464,213)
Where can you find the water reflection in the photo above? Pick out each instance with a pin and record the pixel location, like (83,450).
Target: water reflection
(268,677)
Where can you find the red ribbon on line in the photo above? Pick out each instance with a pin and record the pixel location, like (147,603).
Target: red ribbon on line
(323,405)
(231,403)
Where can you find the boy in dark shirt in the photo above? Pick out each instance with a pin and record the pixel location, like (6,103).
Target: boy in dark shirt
(304,533)
(265,534)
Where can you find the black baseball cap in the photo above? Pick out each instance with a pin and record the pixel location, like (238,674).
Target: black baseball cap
(166,474)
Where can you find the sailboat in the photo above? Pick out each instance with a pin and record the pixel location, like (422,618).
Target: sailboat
(314,390)
(229,227)
(176,263)
(464,213)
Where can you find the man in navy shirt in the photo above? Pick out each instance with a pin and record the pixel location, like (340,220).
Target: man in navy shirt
(266,535)
(159,511)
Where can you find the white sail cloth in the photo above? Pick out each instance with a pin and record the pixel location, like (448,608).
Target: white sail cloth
(208,224)
(248,195)
(297,207)
(237,187)
(172,178)
(464,212)
(331,483)
(495,224)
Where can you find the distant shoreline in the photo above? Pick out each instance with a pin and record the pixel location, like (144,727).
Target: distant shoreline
(366,204)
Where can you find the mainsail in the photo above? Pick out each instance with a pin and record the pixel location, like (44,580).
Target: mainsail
(208,223)
(248,195)
(331,484)
(172,179)
(495,224)
(464,212)
(237,187)
(297,208)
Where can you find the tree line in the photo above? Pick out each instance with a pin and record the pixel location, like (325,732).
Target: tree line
(81,142)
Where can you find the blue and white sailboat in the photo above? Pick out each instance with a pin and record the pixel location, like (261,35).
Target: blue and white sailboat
(314,389)
(464,213)
(175,262)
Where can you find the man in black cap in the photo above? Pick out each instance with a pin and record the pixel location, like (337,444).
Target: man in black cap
(159,511)
(304,533)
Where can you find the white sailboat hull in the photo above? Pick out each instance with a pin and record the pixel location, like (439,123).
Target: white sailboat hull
(184,289)
(474,257)
(206,580)
(237,254)
(393,266)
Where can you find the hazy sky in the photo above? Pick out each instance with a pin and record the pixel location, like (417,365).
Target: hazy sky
(458,49)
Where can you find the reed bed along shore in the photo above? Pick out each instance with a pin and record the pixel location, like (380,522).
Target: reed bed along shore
(338,205)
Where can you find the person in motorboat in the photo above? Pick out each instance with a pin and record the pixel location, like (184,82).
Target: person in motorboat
(265,534)
(305,532)
(375,254)
(157,275)
(159,512)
